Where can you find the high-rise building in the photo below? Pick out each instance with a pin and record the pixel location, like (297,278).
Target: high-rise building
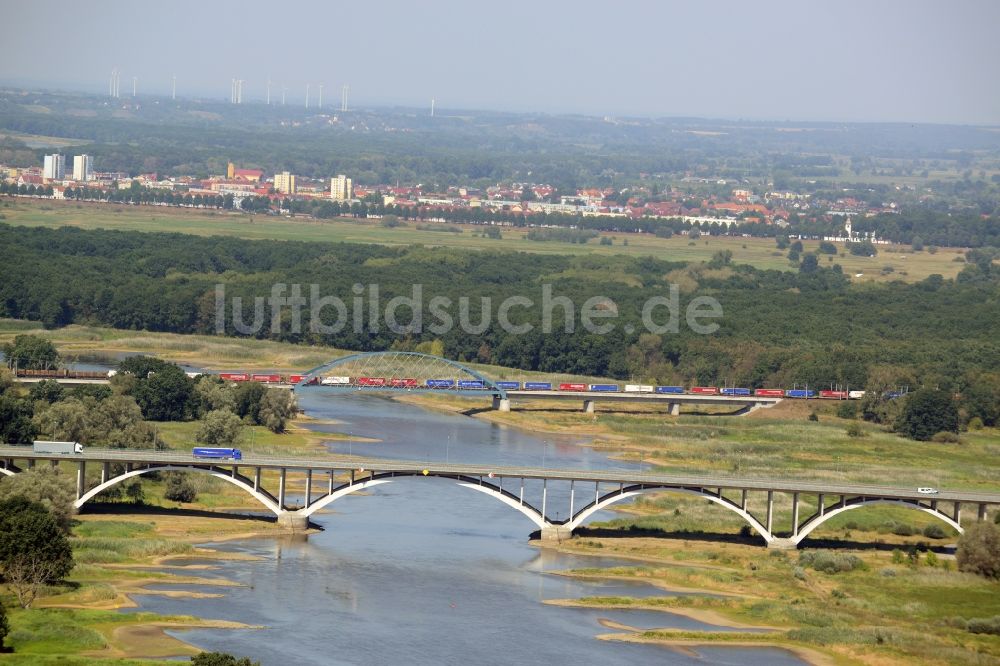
(341,188)
(83,167)
(284,182)
(55,167)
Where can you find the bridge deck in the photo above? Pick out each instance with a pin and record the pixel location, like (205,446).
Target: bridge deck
(380,465)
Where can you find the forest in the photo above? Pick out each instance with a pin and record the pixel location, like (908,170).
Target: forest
(779,328)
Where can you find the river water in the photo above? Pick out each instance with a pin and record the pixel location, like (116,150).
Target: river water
(422,571)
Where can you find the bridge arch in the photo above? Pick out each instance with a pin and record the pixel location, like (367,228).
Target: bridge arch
(475,483)
(626,492)
(816,519)
(401,364)
(238,481)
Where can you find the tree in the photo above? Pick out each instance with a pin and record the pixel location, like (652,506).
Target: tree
(926,413)
(161,389)
(33,550)
(979,550)
(248,400)
(221,659)
(810,264)
(31,352)
(48,390)
(276,408)
(4,627)
(179,488)
(219,426)
(47,486)
(16,425)
(826,247)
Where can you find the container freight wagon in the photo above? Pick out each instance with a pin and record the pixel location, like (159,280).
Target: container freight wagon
(440,383)
(834,395)
(234,376)
(735,391)
(403,382)
(537,386)
(509,386)
(471,384)
(670,389)
(705,390)
(266,379)
(335,381)
(639,388)
(769,393)
(572,387)
(604,388)
(800,393)
(216,453)
(370,381)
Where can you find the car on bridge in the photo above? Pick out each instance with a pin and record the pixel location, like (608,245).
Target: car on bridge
(927,490)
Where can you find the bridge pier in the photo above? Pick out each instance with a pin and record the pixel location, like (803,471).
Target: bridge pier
(588,406)
(556,533)
(781,544)
(674,408)
(501,404)
(293,520)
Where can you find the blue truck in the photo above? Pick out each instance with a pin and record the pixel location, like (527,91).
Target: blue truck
(216,453)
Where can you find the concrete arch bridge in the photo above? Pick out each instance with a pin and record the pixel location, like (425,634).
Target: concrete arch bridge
(575,494)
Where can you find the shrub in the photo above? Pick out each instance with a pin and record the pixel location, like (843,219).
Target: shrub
(813,416)
(855,430)
(934,532)
(975,423)
(979,550)
(847,410)
(180,488)
(897,556)
(932,559)
(830,562)
(984,625)
(902,529)
(945,437)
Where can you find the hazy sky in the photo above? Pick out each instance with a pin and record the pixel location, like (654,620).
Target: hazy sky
(907,60)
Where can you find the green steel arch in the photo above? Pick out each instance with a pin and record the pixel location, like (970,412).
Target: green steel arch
(405,364)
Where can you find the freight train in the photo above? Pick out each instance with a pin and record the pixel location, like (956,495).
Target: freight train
(478,384)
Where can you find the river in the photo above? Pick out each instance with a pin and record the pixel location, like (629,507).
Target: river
(422,571)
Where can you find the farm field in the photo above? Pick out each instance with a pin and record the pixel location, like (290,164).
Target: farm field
(760,252)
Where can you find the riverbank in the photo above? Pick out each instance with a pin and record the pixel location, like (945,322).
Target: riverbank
(885,607)
(119,556)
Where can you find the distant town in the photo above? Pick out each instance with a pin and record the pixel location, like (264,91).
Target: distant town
(253,190)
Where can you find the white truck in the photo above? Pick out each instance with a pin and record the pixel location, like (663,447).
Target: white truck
(59,448)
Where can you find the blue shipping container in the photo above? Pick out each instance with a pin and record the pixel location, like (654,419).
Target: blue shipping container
(509,386)
(670,389)
(735,391)
(537,386)
(212,452)
(800,393)
(471,384)
(440,383)
(606,388)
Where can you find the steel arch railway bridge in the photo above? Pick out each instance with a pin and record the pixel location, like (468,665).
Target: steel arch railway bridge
(584,492)
(414,372)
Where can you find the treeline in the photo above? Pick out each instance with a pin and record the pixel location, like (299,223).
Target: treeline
(921,227)
(778,328)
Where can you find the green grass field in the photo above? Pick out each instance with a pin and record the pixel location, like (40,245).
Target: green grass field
(759,252)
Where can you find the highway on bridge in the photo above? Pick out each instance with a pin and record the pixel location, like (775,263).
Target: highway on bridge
(377,465)
(330,478)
